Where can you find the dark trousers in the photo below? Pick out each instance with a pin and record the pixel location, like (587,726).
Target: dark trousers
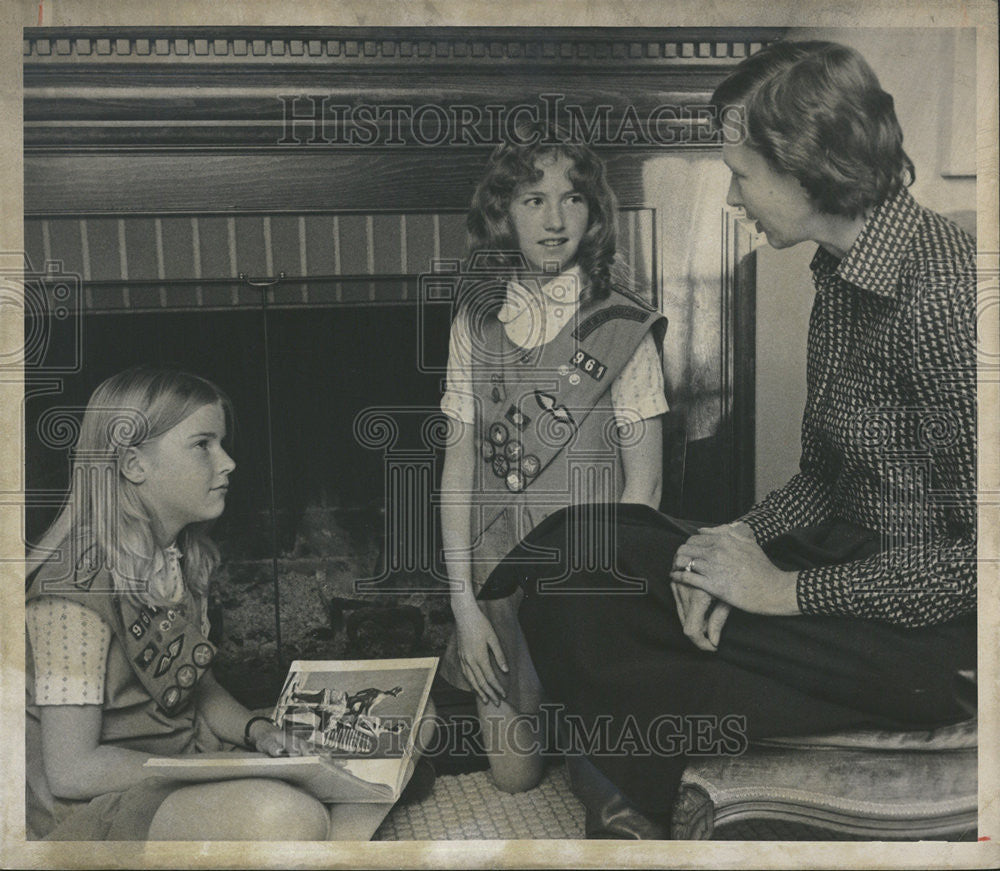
(622,658)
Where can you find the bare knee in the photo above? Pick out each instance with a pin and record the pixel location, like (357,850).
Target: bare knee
(513,773)
(240,810)
(284,813)
(426,728)
(513,744)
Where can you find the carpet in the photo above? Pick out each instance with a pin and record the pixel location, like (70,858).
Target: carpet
(466,807)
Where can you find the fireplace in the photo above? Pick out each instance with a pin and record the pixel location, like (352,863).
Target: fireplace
(247,237)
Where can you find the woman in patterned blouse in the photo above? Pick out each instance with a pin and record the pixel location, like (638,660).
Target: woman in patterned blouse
(846,597)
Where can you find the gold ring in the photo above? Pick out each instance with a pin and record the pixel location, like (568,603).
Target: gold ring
(688,568)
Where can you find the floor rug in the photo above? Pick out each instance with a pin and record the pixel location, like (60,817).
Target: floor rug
(467,807)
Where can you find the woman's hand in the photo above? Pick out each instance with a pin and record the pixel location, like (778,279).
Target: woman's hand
(726,562)
(702,617)
(476,639)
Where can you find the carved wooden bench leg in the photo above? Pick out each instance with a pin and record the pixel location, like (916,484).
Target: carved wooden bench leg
(694,815)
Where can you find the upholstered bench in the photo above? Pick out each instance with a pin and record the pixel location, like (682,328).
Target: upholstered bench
(857,785)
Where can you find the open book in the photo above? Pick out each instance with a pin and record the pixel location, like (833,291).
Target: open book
(359,718)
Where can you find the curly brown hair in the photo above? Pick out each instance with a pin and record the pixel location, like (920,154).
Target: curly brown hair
(490,231)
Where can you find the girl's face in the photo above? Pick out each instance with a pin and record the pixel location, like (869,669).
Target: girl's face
(185,472)
(549,216)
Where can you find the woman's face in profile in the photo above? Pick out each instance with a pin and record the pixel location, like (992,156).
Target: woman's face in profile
(549,216)
(775,200)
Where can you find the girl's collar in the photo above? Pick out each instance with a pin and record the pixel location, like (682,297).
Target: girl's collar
(562,289)
(166,580)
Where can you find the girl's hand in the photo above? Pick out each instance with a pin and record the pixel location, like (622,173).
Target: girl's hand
(272,740)
(726,562)
(476,640)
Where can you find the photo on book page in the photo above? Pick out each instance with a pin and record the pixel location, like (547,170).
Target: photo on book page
(364,708)
(360,718)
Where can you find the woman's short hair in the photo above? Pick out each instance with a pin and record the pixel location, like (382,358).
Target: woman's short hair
(816,110)
(514,163)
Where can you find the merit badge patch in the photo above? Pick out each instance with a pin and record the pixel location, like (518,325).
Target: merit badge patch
(146,656)
(497,392)
(171,697)
(173,651)
(517,417)
(513,450)
(186,675)
(531,465)
(498,434)
(547,402)
(202,654)
(591,365)
(501,466)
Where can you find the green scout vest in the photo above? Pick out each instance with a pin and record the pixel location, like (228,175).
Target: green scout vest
(545,424)
(155,661)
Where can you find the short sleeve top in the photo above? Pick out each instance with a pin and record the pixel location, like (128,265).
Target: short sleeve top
(530,319)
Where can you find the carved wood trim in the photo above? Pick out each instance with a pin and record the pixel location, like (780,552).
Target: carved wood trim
(739,355)
(688,47)
(693,818)
(128,88)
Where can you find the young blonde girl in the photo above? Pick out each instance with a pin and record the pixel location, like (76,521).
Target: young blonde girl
(545,321)
(119,663)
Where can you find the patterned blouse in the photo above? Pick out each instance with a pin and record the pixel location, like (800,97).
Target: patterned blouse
(889,430)
(69,642)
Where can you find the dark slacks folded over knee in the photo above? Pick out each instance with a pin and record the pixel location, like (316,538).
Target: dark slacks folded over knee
(609,648)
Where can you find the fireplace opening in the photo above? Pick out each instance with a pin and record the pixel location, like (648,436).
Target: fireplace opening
(326,367)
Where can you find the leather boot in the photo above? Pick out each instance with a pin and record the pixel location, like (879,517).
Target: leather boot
(609,815)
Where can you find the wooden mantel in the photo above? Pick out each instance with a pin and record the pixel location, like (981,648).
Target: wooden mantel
(230,87)
(115,119)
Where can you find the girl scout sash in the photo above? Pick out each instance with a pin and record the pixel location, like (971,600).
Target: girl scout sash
(163,644)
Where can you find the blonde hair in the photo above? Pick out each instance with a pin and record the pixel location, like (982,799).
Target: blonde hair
(103,521)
